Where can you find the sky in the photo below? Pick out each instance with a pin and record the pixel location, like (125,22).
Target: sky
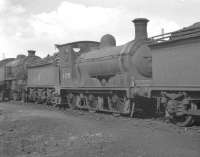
(39,24)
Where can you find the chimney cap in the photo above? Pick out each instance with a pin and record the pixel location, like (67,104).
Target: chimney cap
(140,20)
(31,52)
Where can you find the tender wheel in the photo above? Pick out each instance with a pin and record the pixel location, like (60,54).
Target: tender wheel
(81,101)
(183,119)
(120,104)
(71,101)
(1,96)
(126,107)
(14,96)
(92,102)
(176,113)
(114,103)
(100,103)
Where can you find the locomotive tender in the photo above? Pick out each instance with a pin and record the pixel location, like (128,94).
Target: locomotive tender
(157,75)
(43,79)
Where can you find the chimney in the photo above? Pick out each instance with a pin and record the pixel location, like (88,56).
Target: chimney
(140,28)
(31,52)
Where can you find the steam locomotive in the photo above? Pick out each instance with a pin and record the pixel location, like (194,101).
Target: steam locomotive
(150,76)
(13,76)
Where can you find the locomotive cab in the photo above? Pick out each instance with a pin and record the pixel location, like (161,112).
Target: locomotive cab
(68,55)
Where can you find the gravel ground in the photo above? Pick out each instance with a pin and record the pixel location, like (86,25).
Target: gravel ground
(29,130)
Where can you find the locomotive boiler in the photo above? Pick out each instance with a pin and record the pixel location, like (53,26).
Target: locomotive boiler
(133,58)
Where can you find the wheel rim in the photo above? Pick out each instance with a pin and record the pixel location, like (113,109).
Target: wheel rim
(178,113)
(71,100)
(183,121)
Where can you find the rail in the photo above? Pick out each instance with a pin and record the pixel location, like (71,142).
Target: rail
(177,35)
